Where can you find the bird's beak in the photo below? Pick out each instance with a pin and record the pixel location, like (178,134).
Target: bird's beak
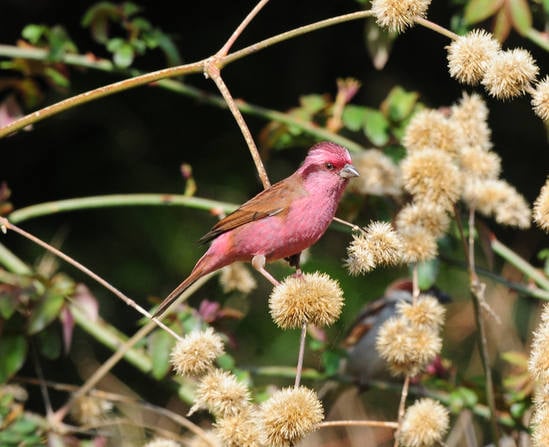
(348,171)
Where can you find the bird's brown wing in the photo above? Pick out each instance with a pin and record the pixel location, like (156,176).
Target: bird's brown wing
(364,322)
(274,200)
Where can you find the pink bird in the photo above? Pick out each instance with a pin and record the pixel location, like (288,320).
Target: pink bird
(281,221)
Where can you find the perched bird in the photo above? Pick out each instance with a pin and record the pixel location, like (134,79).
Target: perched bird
(363,361)
(281,221)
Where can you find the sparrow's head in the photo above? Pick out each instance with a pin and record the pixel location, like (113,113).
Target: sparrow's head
(329,158)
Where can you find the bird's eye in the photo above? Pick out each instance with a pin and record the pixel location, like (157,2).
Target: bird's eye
(329,166)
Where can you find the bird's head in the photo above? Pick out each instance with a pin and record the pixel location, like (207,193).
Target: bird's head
(331,160)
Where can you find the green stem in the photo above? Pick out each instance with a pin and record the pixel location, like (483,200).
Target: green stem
(540,39)
(520,263)
(147,78)
(114,200)
(12,262)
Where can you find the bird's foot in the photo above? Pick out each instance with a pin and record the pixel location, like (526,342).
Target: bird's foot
(258,263)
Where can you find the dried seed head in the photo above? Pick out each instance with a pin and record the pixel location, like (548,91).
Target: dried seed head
(360,259)
(539,356)
(310,298)
(418,245)
(541,207)
(540,429)
(510,73)
(431,129)
(396,15)
(499,199)
(289,415)
(540,99)
(426,311)
(424,424)
(237,277)
(430,175)
(384,243)
(208,439)
(222,394)
(379,175)
(89,410)
(479,163)
(195,353)
(427,216)
(470,116)
(407,349)
(469,55)
(239,430)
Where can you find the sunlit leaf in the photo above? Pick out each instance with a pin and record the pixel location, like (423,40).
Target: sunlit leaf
(13,351)
(479,10)
(33,33)
(516,358)
(376,127)
(399,104)
(97,18)
(379,42)
(502,25)
(130,8)
(520,15)
(45,312)
(56,77)
(353,117)
(331,361)
(123,56)
(141,24)
(226,361)
(160,346)
(312,103)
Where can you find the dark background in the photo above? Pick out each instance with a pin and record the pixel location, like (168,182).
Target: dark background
(135,141)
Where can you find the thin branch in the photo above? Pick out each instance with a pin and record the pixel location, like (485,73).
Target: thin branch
(435,27)
(212,70)
(238,31)
(299,368)
(87,271)
(195,67)
(116,200)
(402,407)
(380,424)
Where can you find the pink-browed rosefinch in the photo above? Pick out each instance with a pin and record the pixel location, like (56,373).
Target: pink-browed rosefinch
(281,221)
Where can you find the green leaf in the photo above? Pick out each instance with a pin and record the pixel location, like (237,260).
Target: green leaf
(33,33)
(24,426)
(543,255)
(226,361)
(45,312)
(376,127)
(427,273)
(56,77)
(99,10)
(160,346)
(49,342)
(515,358)
(399,104)
(123,56)
(331,361)
(130,8)
(7,305)
(312,103)
(521,16)
(479,10)
(379,42)
(141,24)
(115,43)
(502,25)
(353,117)
(13,351)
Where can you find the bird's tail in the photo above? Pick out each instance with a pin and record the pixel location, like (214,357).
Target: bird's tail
(205,265)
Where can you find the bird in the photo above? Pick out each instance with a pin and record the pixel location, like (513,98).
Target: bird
(363,361)
(279,222)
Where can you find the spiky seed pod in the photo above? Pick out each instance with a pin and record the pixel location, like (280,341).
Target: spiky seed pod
(310,298)
(89,410)
(427,216)
(222,394)
(431,129)
(469,55)
(541,207)
(538,363)
(418,245)
(384,243)
(195,353)
(289,415)
(424,424)
(239,430)
(237,277)
(430,175)
(396,15)
(510,73)
(499,199)
(379,175)
(479,163)
(208,439)
(407,349)
(470,115)
(426,311)
(359,259)
(540,99)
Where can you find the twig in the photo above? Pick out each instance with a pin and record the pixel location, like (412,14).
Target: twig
(380,424)
(301,354)
(195,67)
(87,271)
(402,407)
(435,27)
